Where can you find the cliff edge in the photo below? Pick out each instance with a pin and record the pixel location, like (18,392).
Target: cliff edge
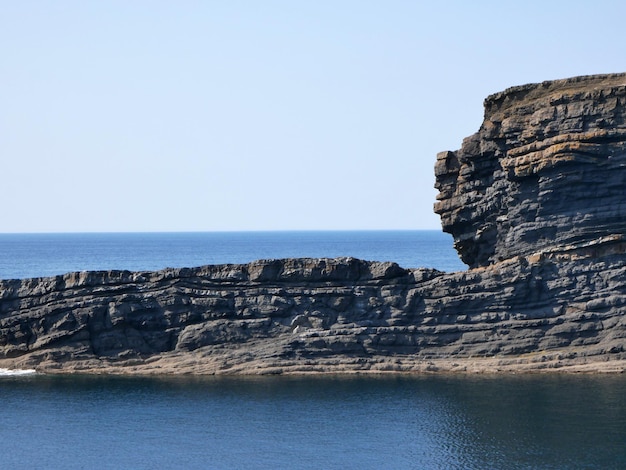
(536,204)
(545,170)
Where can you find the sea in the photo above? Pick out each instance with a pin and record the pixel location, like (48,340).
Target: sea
(391,421)
(50,254)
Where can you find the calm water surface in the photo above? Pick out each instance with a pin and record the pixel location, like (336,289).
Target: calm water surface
(34,255)
(391,422)
(534,422)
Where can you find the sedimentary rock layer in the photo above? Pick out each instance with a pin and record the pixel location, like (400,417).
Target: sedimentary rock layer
(535,202)
(323,315)
(545,169)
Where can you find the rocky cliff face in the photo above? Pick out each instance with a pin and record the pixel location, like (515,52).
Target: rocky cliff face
(316,315)
(545,169)
(536,205)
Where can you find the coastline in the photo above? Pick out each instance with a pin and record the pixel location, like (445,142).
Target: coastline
(175,364)
(534,202)
(323,316)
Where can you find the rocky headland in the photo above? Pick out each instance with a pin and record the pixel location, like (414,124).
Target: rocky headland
(536,204)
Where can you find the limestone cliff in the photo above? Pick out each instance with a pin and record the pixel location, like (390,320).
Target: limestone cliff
(546,169)
(534,201)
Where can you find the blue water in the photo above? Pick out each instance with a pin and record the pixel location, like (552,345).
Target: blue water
(339,422)
(532,422)
(35,255)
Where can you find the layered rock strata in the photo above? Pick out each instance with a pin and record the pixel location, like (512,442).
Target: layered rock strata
(545,169)
(558,308)
(534,201)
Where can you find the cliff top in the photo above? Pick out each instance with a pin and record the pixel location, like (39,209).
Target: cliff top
(503,100)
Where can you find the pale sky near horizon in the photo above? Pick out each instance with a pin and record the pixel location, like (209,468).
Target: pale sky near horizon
(262,115)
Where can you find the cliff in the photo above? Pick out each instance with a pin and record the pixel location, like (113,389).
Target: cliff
(545,170)
(534,201)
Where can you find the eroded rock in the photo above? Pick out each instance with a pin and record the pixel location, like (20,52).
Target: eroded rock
(535,202)
(545,170)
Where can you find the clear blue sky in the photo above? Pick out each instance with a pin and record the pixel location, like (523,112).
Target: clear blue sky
(262,115)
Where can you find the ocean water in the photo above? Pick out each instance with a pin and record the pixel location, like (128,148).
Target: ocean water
(329,422)
(35,255)
(387,422)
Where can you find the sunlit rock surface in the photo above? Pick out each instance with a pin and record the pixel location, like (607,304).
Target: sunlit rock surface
(545,169)
(536,204)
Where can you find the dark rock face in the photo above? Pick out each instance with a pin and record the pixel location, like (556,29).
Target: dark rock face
(545,169)
(318,315)
(535,201)
(296,308)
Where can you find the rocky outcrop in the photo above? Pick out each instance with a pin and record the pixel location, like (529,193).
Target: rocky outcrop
(534,201)
(319,315)
(546,169)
